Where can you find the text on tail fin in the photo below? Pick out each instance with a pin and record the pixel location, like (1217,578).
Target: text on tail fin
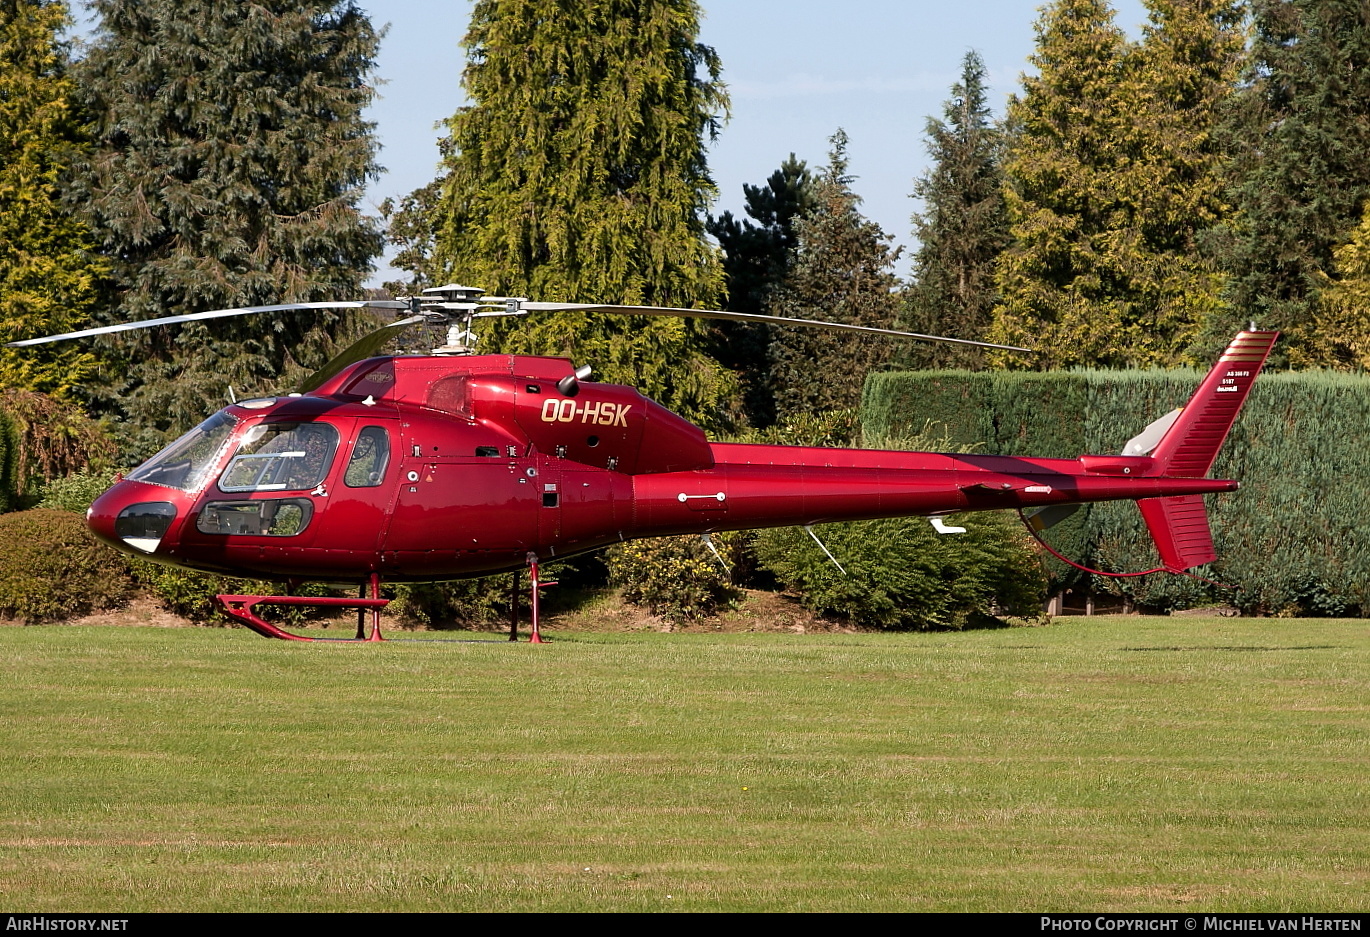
(1192,442)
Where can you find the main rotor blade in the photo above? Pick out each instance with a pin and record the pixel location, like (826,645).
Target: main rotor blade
(368,346)
(212,314)
(754,317)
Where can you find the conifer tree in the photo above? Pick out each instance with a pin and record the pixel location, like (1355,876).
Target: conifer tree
(756,258)
(1058,279)
(1184,72)
(961,230)
(757,252)
(231,156)
(1339,336)
(842,272)
(49,277)
(577,174)
(1302,164)
(1112,184)
(409,229)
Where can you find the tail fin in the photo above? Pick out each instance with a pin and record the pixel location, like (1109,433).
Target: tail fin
(1179,526)
(1188,448)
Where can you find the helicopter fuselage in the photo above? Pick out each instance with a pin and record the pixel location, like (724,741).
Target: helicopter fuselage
(424,468)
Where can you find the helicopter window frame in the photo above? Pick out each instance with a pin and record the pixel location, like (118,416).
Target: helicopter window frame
(378,453)
(282,461)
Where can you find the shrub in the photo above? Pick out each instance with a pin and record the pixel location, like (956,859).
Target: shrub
(829,428)
(901,574)
(190,594)
(677,578)
(74,492)
(52,568)
(461,604)
(47,438)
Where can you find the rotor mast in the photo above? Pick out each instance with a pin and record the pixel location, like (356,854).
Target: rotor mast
(458,305)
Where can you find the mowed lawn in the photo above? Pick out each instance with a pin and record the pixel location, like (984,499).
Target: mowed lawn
(1095,764)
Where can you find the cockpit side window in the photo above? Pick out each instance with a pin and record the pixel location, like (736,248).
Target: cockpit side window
(186,463)
(281,457)
(370,455)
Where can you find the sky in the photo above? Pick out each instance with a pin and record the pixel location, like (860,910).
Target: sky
(796,71)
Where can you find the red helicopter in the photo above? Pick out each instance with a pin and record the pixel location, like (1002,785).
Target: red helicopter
(453,465)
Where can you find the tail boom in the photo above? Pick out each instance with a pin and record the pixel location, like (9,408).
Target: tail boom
(752,486)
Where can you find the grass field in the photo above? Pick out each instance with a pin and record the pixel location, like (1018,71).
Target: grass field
(1096,764)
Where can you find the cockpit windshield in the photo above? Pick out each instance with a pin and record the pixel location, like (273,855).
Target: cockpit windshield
(186,463)
(281,457)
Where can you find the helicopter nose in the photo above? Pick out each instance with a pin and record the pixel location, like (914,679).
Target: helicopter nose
(134,517)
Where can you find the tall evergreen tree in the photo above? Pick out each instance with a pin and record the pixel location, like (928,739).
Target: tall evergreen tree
(231,158)
(962,228)
(756,258)
(1302,163)
(842,272)
(1340,331)
(409,228)
(49,276)
(1113,183)
(1185,72)
(1059,279)
(757,252)
(577,173)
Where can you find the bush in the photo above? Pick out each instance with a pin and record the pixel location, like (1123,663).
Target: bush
(53,569)
(828,429)
(677,578)
(190,594)
(462,604)
(901,574)
(74,492)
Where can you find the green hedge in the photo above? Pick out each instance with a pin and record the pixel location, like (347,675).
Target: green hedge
(1294,540)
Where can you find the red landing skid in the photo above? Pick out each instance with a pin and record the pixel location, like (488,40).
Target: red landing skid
(239,607)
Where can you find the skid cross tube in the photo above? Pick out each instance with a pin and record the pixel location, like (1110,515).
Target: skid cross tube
(240,608)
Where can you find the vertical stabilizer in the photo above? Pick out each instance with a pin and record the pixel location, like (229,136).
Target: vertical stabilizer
(1191,444)
(1179,526)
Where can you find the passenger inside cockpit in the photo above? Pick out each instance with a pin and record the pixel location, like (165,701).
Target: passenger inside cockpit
(281,457)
